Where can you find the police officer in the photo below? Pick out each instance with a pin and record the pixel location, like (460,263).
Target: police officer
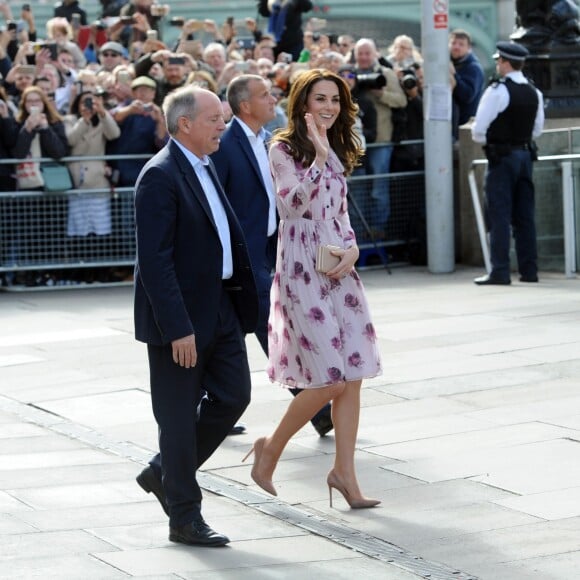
(510,114)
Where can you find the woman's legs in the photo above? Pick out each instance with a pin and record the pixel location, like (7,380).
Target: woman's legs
(345,416)
(299,412)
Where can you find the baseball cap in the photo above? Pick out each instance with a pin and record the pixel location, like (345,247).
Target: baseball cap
(113,47)
(144,82)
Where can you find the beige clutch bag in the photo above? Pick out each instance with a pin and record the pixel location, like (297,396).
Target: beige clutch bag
(325,261)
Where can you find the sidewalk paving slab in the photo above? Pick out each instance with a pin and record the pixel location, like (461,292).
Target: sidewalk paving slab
(471,439)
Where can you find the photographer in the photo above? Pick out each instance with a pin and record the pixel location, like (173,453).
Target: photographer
(89,214)
(410,157)
(8,136)
(67,8)
(142,129)
(382,86)
(176,68)
(61,32)
(137,17)
(366,126)
(367,112)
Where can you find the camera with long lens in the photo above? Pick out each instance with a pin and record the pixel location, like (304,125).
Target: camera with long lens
(367,81)
(409,81)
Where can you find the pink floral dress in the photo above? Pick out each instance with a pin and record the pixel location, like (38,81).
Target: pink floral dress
(320,330)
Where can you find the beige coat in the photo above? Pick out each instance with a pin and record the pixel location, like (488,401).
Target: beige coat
(90,213)
(85,139)
(392,97)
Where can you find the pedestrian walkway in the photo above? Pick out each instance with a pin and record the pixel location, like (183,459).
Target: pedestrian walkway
(470,438)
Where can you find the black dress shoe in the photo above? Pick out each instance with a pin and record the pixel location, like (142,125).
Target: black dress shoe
(529,279)
(238,429)
(489,281)
(152,484)
(198,533)
(323,425)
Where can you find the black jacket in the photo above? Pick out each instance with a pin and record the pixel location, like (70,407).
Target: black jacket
(291,39)
(53,141)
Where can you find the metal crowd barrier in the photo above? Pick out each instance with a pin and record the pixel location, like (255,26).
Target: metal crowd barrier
(570,206)
(34,224)
(34,229)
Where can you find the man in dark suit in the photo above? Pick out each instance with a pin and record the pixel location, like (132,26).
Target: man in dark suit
(195,297)
(242,166)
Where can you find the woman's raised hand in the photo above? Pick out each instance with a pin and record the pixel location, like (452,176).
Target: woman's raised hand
(319,139)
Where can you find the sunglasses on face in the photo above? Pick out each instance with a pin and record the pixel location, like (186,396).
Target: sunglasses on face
(347,75)
(110,54)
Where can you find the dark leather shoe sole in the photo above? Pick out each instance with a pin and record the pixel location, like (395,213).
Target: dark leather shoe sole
(324,426)
(208,538)
(147,480)
(530,279)
(238,429)
(489,281)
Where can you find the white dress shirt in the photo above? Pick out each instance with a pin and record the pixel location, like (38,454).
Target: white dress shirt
(258,143)
(200,166)
(495,100)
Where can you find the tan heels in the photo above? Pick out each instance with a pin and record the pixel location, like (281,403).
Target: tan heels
(355,503)
(265,484)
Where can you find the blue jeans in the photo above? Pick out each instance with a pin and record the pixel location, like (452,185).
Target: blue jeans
(379,161)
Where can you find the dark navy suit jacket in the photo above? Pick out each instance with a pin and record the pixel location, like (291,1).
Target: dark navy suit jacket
(240,175)
(178,283)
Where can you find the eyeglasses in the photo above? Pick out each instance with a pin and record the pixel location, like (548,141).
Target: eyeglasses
(110,54)
(344,44)
(347,75)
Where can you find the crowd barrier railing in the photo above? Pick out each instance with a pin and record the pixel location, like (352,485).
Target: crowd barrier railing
(552,172)
(39,230)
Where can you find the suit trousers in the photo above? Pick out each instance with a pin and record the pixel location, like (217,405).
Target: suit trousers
(191,427)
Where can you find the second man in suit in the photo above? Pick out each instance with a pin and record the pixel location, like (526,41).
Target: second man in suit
(242,166)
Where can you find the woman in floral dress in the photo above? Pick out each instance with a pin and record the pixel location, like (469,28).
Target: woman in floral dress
(321,338)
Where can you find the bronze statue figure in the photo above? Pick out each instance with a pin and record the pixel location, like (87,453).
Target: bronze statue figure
(547,23)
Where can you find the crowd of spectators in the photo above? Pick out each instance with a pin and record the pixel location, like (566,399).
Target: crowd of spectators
(93,88)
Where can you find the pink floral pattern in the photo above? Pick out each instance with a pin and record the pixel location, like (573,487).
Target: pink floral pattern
(320,332)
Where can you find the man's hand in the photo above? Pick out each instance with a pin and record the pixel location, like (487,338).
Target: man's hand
(28,17)
(141,23)
(5,10)
(160,56)
(184,351)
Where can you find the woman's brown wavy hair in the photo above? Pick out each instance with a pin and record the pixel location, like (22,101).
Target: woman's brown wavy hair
(342,136)
(50,111)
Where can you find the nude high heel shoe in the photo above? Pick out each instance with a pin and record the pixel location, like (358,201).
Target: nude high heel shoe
(265,484)
(355,503)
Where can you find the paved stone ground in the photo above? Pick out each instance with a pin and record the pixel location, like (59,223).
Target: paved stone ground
(471,439)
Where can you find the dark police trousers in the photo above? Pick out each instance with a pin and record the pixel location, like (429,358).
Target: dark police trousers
(509,191)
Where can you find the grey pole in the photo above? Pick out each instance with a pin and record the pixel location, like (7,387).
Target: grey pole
(506,17)
(438,146)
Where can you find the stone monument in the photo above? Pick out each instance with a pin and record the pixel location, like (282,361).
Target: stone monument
(550,30)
